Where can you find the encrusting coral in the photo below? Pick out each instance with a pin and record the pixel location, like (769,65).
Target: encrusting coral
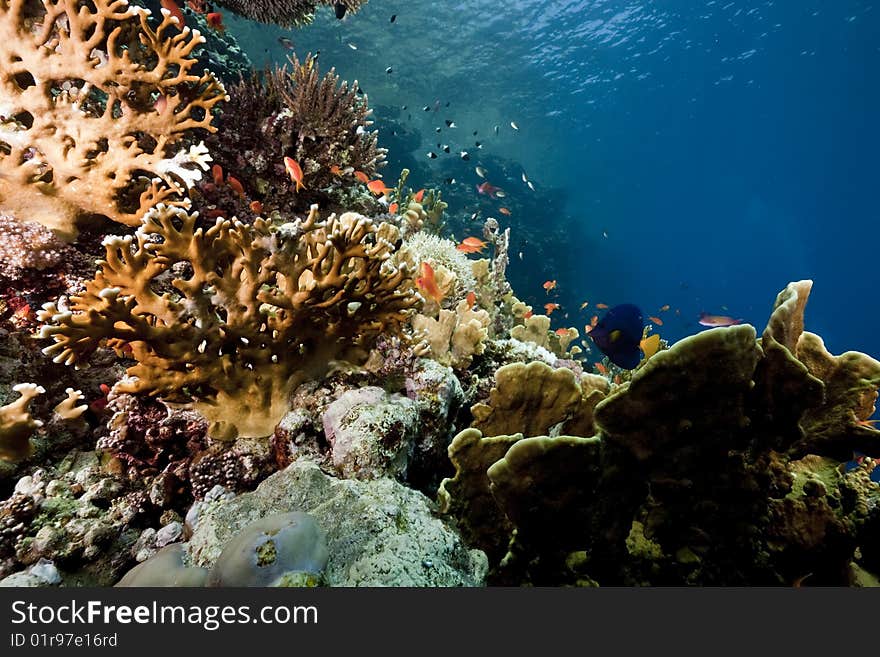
(249,312)
(287,13)
(94,108)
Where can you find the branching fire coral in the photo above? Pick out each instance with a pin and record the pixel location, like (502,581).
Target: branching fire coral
(285,12)
(94,105)
(249,312)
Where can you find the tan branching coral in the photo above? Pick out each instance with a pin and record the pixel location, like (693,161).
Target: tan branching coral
(455,336)
(287,13)
(248,312)
(94,105)
(17,425)
(536,399)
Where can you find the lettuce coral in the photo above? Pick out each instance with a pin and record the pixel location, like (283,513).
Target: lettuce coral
(250,312)
(94,107)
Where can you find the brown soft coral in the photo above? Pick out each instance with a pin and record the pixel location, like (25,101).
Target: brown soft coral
(315,119)
(287,13)
(251,311)
(95,104)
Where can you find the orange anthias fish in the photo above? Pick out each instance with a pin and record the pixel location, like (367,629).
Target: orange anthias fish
(549,285)
(550,307)
(217,173)
(236,185)
(601,368)
(215,20)
(663,309)
(594,320)
(419,195)
(471,299)
(656,320)
(528,314)
(393,208)
(504,211)
(256,207)
(601,306)
(717,320)
(175,11)
(428,284)
(471,245)
(360,175)
(294,171)
(377,187)
(562,332)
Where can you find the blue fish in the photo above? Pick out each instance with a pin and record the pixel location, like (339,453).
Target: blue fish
(618,334)
(857,459)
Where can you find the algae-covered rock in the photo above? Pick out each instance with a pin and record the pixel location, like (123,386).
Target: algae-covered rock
(371,433)
(378,533)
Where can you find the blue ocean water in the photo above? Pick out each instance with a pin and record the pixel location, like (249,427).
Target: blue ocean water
(699,154)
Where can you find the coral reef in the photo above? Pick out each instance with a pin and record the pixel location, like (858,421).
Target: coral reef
(97,108)
(288,13)
(275,393)
(251,312)
(689,435)
(319,122)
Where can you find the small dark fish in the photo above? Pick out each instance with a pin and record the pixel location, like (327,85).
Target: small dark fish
(389,70)
(618,335)
(475,215)
(437,129)
(475,133)
(360,91)
(447,103)
(464,155)
(393,17)
(446,148)
(403,107)
(432,155)
(496,129)
(450,124)
(340,10)
(287,43)
(478,144)
(426,108)
(450,181)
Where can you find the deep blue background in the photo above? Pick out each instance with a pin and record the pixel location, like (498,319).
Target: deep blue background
(725,148)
